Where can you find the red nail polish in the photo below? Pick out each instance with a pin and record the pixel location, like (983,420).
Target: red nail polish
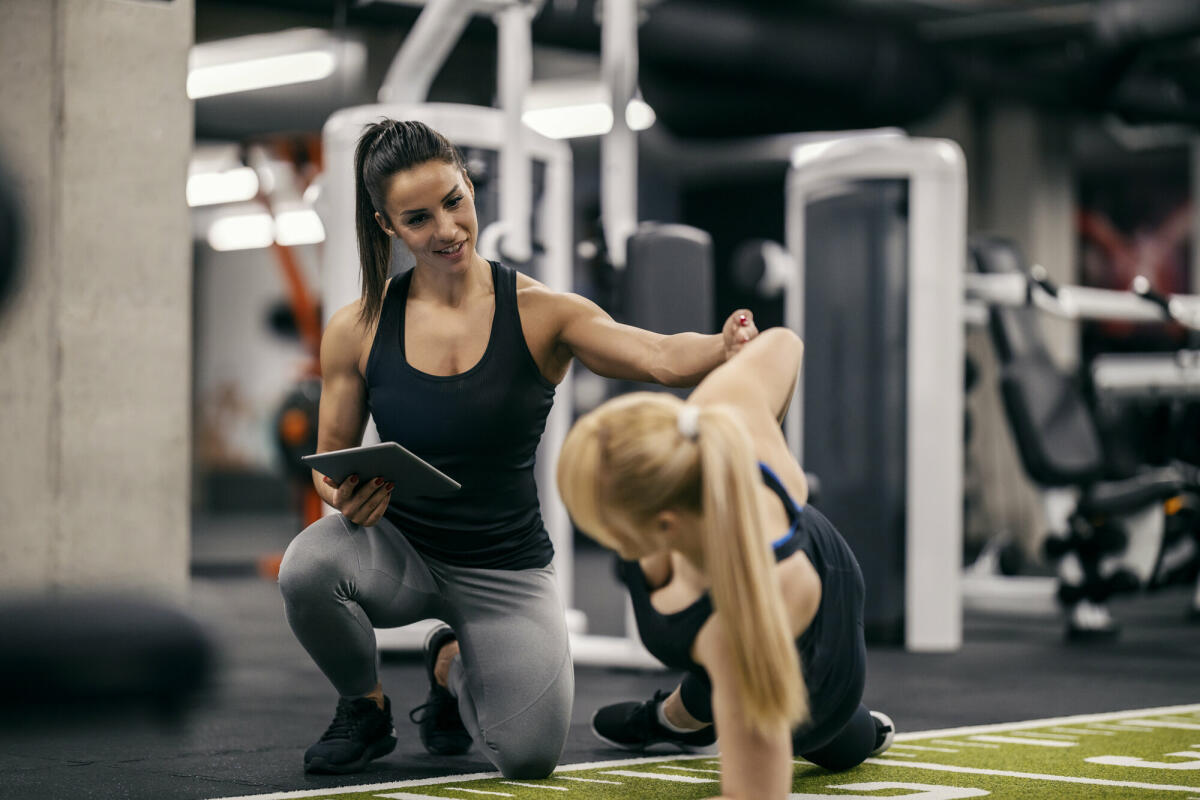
(379,481)
(741,319)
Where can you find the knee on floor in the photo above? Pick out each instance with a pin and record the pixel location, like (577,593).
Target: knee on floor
(526,765)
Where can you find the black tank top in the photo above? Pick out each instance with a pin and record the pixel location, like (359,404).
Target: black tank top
(828,647)
(480,427)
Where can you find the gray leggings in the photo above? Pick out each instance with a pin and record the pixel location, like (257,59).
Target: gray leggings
(513,679)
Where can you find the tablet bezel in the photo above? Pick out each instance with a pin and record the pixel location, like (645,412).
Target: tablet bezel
(411,474)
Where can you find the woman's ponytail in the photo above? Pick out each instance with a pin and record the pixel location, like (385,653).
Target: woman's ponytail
(374,245)
(745,587)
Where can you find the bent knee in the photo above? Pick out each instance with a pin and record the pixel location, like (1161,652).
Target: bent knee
(528,753)
(312,559)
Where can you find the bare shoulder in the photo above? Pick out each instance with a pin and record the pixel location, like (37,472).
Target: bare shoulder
(546,304)
(345,338)
(346,321)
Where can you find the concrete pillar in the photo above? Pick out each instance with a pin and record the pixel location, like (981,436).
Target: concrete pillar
(95,352)
(1029,196)
(1026,192)
(1021,185)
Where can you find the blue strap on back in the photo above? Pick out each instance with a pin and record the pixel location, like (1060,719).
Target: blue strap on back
(793,509)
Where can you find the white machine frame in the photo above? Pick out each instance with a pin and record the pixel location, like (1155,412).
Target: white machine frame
(936,173)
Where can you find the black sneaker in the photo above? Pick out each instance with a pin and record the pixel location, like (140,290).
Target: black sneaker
(885,732)
(442,730)
(360,732)
(635,726)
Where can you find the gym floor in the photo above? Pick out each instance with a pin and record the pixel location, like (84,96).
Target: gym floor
(247,734)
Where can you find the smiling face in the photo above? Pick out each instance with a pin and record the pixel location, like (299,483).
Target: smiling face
(431,208)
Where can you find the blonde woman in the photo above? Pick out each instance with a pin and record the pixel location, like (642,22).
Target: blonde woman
(734,579)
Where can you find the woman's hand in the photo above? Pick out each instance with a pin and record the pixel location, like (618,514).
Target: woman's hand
(363,503)
(738,329)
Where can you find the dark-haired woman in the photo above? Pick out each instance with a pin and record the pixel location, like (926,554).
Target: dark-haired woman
(457,360)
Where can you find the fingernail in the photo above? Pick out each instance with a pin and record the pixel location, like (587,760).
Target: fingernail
(741,319)
(390,486)
(379,481)
(354,479)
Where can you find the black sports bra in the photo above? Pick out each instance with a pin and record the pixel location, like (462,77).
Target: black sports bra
(669,637)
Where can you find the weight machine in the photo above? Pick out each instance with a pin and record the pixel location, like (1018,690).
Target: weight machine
(1108,533)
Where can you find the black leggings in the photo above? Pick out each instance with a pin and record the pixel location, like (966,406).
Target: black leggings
(848,748)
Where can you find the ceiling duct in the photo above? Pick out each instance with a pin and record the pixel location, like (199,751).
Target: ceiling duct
(711,70)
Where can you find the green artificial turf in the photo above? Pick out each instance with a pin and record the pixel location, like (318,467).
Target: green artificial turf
(1102,757)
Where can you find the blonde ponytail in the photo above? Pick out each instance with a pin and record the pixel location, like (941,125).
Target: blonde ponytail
(745,586)
(643,452)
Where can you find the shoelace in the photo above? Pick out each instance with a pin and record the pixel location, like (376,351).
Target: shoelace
(643,716)
(412,715)
(345,723)
(442,706)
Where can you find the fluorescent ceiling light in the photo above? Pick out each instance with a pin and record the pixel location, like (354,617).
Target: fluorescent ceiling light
(230,186)
(566,109)
(242,231)
(568,122)
(586,119)
(299,226)
(259,73)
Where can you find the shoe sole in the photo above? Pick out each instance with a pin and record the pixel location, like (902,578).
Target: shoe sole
(889,738)
(377,750)
(707,749)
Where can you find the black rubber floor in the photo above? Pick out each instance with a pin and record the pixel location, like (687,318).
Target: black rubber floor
(269,701)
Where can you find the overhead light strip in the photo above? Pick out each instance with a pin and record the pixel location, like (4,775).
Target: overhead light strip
(231,186)
(260,73)
(585,119)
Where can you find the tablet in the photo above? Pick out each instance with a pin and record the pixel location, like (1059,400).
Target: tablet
(413,476)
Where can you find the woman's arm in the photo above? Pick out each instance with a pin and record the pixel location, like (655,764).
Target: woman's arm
(755,765)
(614,350)
(343,418)
(762,377)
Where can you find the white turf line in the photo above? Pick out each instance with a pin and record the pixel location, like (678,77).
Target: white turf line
(900,737)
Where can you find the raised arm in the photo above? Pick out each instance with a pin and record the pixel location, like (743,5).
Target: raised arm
(761,378)
(614,350)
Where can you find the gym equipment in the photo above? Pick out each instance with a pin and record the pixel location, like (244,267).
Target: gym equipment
(667,283)
(296,427)
(1108,534)
(876,226)
(1157,375)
